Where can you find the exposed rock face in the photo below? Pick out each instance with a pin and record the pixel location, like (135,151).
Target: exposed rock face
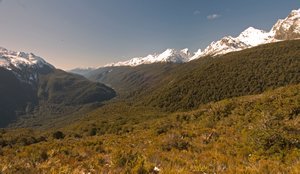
(288,28)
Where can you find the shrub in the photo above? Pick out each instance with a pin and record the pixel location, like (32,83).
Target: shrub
(127,159)
(41,138)
(43,156)
(27,141)
(2,131)
(58,135)
(140,168)
(3,143)
(164,129)
(176,142)
(93,132)
(101,161)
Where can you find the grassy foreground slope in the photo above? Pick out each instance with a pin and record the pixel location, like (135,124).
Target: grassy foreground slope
(250,134)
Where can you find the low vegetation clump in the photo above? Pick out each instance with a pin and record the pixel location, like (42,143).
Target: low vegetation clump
(58,135)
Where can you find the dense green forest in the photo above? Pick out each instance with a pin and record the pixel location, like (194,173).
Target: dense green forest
(250,71)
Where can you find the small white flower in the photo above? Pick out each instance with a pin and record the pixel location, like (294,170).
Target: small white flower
(156,169)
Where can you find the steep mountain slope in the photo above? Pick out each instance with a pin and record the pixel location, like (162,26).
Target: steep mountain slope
(15,96)
(128,81)
(250,71)
(288,28)
(60,87)
(29,84)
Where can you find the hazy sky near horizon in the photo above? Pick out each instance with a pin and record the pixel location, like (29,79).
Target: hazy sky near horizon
(91,33)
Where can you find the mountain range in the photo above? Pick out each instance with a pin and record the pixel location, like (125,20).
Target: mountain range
(30,86)
(141,74)
(283,29)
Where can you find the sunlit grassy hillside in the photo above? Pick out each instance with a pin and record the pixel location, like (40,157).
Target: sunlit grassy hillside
(250,134)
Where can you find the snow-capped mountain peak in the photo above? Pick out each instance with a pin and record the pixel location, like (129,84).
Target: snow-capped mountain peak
(25,66)
(185,51)
(294,13)
(12,59)
(169,55)
(225,45)
(248,38)
(284,29)
(253,37)
(165,55)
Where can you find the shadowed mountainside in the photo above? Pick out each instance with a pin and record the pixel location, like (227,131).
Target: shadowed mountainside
(53,92)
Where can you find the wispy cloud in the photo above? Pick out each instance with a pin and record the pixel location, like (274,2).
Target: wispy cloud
(213,16)
(196,12)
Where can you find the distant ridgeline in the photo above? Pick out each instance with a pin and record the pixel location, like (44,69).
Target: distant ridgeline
(184,86)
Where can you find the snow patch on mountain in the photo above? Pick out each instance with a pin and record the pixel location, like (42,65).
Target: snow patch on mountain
(3,62)
(196,55)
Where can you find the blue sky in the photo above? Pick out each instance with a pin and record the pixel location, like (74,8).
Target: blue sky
(83,33)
